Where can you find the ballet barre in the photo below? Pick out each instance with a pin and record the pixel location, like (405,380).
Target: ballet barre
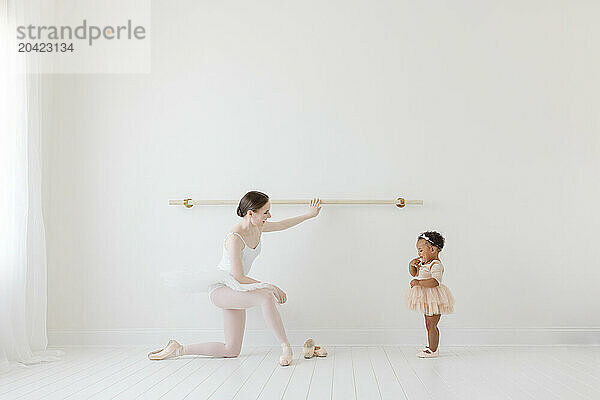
(399,202)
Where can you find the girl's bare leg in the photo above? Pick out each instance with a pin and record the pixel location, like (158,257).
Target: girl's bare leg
(433,333)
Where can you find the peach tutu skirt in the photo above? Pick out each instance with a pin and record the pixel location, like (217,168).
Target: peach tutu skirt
(430,301)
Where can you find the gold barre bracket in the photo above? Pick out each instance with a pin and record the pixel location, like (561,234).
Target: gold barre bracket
(399,202)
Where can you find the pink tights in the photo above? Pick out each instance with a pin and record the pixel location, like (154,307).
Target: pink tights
(234,304)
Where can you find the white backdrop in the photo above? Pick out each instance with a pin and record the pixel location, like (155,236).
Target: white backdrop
(489,113)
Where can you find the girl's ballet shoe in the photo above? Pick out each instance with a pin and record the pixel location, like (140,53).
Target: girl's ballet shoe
(286,358)
(172,349)
(308,350)
(320,352)
(427,353)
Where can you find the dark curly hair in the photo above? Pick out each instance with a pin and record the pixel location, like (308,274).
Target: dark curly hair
(434,239)
(252,200)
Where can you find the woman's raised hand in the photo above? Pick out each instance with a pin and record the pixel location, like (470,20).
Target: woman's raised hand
(315,207)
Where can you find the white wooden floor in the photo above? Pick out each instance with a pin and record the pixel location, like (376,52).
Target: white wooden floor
(381,372)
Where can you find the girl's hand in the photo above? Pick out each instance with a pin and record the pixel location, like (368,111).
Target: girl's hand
(279,295)
(414,282)
(315,208)
(415,262)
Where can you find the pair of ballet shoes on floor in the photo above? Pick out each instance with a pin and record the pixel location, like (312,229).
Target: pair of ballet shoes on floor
(309,350)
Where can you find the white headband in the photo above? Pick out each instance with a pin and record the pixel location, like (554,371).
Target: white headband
(423,236)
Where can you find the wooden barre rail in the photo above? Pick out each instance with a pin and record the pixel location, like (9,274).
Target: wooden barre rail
(399,202)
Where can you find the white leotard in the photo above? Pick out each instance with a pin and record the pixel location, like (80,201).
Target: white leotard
(248,256)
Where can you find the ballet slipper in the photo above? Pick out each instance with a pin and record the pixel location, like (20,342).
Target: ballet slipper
(308,350)
(320,352)
(172,349)
(286,358)
(159,350)
(428,353)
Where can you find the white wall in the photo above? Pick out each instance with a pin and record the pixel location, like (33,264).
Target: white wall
(489,113)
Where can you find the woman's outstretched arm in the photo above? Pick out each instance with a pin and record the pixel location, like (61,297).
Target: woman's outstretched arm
(314,209)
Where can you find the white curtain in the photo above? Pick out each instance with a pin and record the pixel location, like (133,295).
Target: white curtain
(23,338)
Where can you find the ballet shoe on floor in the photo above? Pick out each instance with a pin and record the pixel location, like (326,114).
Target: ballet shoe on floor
(286,357)
(320,352)
(428,353)
(158,351)
(172,349)
(308,350)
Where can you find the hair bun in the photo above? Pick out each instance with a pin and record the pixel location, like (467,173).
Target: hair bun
(252,201)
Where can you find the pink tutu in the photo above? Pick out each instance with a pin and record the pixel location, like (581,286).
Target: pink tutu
(430,301)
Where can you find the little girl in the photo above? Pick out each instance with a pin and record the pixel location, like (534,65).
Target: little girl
(426,293)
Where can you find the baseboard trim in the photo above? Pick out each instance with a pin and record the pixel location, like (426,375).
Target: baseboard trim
(334,336)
